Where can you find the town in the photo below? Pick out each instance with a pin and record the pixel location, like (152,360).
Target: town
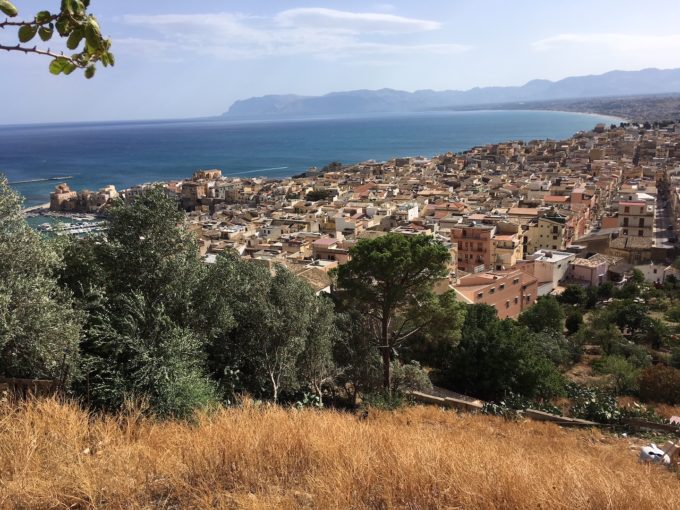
(521,220)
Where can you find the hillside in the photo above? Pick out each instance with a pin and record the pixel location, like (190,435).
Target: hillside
(57,456)
(614,83)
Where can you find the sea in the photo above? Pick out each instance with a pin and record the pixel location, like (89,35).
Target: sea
(89,156)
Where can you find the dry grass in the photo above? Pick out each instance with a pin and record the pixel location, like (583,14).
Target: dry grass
(53,455)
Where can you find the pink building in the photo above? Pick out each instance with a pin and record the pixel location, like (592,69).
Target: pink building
(587,271)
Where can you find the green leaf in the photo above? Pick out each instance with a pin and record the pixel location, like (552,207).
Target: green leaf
(45,33)
(43,17)
(93,34)
(89,72)
(59,65)
(27,32)
(8,8)
(74,39)
(63,27)
(69,68)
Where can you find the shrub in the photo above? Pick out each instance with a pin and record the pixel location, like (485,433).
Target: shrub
(593,404)
(675,357)
(409,377)
(660,383)
(623,372)
(574,321)
(673,314)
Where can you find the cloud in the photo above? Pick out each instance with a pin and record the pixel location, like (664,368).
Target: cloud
(355,22)
(613,41)
(321,33)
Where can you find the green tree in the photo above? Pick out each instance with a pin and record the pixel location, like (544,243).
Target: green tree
(574,295)
(138,289)
(624,374)
(39,328)
(316,365)
(546,314)
(574,321)
(495,357)
(135,351)
(72,23)
(391,278)
(355,354)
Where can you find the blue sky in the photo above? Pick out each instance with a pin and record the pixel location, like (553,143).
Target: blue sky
(188,59)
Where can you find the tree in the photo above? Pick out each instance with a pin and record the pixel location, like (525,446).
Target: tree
(134,351)
(573,295)
(495,357)
(316,366)
(574,321)
(72,23)
(39,328)
(391,278)
(546,314)
(624,373)
(142,337)
(355,354)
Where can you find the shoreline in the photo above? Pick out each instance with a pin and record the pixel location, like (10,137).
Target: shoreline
(43,209)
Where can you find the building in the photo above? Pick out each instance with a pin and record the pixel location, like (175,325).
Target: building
(549,267)
(636,219)
(507,246)
(549,232)
(509,292)
(589,272)
(475,246)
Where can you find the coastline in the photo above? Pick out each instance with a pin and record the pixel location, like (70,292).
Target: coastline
(291,147)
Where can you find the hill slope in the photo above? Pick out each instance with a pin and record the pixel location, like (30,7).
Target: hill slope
(58,456)
(614,83)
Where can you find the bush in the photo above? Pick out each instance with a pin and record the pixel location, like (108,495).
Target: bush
(593,404)
(409,377)
(675,357)
(574,321)
(660,383)
(623,372)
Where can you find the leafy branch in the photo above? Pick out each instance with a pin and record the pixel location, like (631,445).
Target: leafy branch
(73,23)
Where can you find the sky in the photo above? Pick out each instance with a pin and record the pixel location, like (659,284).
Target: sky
(183,59)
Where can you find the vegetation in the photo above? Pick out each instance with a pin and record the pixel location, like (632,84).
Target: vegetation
(138,317)
(390,279)
(269,457)
(79,29)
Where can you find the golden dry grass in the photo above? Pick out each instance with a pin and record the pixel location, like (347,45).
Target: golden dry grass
(53,455)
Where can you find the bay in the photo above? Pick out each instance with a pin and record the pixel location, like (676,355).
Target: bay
(129,153)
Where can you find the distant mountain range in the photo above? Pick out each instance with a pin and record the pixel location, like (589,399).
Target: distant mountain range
(614,83)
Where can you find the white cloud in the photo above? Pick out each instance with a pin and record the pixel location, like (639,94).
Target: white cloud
(355,22)
(322,33)
(617,42)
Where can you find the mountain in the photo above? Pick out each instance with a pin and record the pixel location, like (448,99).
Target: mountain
(614,83)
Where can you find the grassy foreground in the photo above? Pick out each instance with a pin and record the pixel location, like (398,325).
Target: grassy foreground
(53,455)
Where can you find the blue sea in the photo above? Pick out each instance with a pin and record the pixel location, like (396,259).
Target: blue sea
(128,153)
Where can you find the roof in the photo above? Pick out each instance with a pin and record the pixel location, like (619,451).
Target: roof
(556,198)
(325,241)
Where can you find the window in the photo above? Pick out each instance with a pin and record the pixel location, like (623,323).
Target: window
(502,286)
(626,209)
(515,281)
(625,222)
(641,233)
(516,300)
(642,222)
(492,290)
(507,304)
(480,295)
